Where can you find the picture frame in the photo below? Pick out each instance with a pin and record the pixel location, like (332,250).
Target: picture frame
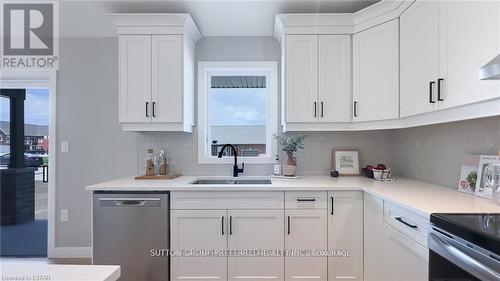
(346,162)
(482,187)
(468,175)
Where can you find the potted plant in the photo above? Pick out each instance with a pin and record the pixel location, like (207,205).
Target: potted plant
(290,145)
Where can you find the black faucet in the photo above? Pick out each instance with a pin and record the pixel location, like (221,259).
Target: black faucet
(236,170)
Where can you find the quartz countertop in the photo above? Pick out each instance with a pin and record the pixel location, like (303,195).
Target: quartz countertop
(422,198)
(58,272)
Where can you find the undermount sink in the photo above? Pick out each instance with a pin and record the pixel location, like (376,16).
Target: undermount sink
(232,181)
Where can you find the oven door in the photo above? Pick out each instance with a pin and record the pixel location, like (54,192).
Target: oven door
(451,259)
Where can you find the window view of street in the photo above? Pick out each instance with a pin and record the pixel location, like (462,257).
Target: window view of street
(28,215)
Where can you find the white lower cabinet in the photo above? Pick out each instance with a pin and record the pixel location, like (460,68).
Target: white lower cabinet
(234,230)
(406,259)
(389,253)
(255,229)
(305,230)
(345,233)
(197,230)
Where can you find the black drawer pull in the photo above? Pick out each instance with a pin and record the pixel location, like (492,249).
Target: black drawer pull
(431,86)
(147,106)
(231,225)
(306,199)
(399,219)
(439,89)
(332,212)
(288,225)
(222,225)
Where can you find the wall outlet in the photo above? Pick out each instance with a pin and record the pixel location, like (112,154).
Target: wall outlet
(64,215)
(64,147)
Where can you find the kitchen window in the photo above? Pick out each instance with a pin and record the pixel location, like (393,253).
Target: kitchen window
(237,104)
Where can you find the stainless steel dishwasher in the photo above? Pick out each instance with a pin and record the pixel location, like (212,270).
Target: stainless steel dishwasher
(126,227)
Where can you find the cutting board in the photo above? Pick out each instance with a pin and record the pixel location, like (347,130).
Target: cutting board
(158,177)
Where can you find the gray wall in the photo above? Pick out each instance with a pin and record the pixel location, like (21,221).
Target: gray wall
(87,117)
(435,153)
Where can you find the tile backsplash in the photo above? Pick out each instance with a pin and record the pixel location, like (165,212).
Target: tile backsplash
(315,159)
(435,153)
(431,153)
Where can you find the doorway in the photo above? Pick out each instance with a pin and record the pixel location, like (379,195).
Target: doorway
(24,168)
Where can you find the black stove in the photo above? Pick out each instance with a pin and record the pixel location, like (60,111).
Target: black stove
(464,247)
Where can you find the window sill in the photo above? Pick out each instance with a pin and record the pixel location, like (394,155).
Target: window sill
(230,160)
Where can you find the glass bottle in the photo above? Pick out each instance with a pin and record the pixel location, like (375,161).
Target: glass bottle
(149,162)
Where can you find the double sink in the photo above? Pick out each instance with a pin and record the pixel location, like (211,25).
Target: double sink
(231,181)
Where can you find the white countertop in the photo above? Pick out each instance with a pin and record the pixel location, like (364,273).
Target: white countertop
(58,272)
(420,197)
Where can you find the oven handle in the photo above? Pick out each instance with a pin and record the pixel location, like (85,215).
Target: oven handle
(461,258)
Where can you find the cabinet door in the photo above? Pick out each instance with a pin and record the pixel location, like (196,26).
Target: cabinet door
(419,58)
(405,258)
(376,73)
(373,244)
(135,78)
(301,75)
(345,232)
(255,229)
(305,230)
(334,83)
(198,229)
(167,89)
(468,38)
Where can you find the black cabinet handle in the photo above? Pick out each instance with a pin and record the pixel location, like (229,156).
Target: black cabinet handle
(399,219)
(332,211)
(322,109)
(431,85)
(355,109)
(288,225)
(231,225)
(154,114)
(306,199)
(439,89)
(222,225)
(147,106)
(315,113)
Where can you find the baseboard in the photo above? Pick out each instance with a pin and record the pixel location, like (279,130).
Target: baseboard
(71,252)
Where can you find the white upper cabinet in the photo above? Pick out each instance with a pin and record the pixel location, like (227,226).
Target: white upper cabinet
(135,75)
(376,73)
(317,78)
(301,76)
(468,38)
(419,58)
(334,72)
(167,76)
(156,74)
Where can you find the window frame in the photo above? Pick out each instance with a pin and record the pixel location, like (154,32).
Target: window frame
(235,67)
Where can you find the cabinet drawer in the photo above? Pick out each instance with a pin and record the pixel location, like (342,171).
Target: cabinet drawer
(410,224)
(196,200)
(305,200)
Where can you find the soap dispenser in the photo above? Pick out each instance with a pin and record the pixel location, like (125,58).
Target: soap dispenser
(277,166)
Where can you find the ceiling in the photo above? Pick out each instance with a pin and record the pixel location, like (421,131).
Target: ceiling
(213,18)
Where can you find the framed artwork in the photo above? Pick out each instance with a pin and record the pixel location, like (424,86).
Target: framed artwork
(346,162)
(483,189)
(468,175)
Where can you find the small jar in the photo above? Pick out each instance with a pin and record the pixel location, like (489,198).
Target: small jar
(149,162)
